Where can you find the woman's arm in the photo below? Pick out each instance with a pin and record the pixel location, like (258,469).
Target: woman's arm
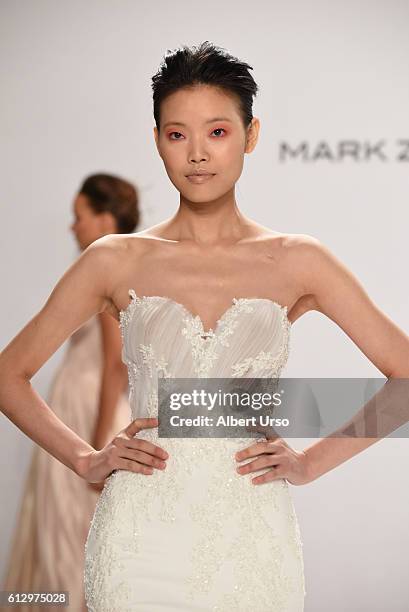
(114,379)
(339,295)
(336,292)
(81,292)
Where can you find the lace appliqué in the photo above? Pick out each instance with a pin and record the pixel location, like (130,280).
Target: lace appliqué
(267,363)
(244,505)
(206,557)
(105,590)
(148,358)
(204,351)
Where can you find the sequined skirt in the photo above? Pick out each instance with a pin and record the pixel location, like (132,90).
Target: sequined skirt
(196,536)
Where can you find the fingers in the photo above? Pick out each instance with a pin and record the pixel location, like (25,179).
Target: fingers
(132,466)
(138,424)
(142,445)
(274,462)
(137,454)
(260,463)
(269,432)
(142,458)
(274,474)
(135,427)
(258,448)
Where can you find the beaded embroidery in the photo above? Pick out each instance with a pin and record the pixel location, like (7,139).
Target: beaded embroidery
(105,524)
(208,557)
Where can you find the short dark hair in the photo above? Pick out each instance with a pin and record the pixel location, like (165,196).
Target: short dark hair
(110,193)
(206,64)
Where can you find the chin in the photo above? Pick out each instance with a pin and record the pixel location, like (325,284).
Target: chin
(200,199)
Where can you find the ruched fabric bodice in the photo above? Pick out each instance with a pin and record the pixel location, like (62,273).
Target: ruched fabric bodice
(251,339)
(197,528)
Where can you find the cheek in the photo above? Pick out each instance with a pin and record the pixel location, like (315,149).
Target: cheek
(228,151)
(230,159)
(174,159)
(85,227)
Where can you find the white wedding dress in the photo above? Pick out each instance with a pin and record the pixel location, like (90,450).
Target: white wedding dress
(196,536)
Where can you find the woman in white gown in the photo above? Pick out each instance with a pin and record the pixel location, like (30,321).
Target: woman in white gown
(183,524)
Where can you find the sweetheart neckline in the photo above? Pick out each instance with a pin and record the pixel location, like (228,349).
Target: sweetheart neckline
(210,332)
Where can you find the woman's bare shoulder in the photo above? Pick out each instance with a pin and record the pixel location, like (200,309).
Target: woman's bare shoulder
(290,244)
(297,243)
(287,243)
(297,249)
(116,246)
(118,256)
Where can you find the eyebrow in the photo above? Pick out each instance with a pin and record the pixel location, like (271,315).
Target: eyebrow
(209,121)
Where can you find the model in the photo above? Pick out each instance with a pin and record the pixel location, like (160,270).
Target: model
(190,524)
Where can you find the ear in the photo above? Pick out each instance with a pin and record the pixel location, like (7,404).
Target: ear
(156,136)
(108,222)
(252,135)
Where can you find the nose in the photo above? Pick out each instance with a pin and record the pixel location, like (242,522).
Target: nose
(198,152)
(197,159)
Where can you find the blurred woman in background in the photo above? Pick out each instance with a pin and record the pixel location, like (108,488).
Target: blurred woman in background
(89,393)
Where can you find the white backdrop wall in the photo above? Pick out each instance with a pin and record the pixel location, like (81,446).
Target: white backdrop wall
(76,99)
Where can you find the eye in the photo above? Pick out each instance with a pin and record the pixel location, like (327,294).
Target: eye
(174,133)
(178,134)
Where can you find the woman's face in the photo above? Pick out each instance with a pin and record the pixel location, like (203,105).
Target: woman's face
(89,225)
(201,129)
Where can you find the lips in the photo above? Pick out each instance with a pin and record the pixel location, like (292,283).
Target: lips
(197,179)
(200,173)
